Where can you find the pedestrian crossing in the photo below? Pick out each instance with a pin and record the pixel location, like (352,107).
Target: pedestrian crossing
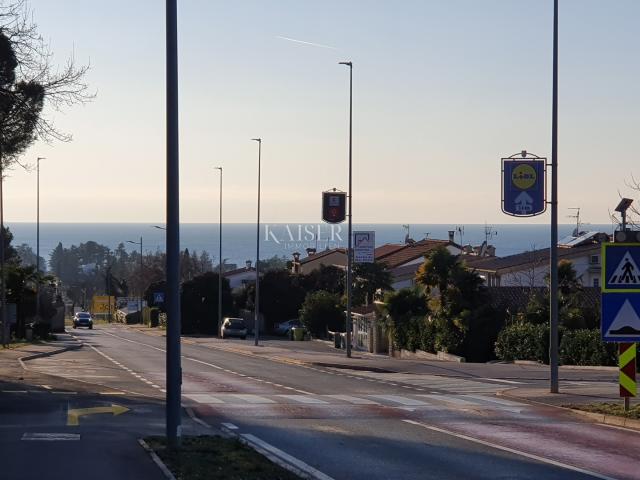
(413,400)
(434,382)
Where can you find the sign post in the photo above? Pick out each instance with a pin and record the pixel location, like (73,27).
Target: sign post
(364,247)
(620,320)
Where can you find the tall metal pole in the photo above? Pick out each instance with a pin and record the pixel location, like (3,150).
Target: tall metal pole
(220,257)
(553,330)
(38,236)
(349,246)
(174,372)
(257,300)
(141,281)
(3,276)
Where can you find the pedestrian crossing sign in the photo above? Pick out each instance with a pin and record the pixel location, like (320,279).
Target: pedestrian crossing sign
(620,267)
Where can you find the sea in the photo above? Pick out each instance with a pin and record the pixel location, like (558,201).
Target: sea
(282,239)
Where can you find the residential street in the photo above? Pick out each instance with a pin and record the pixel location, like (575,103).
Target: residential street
(356,423)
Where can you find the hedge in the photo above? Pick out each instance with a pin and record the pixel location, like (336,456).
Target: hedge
(584,347)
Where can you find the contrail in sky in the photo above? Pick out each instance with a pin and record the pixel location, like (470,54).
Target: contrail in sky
(305,43)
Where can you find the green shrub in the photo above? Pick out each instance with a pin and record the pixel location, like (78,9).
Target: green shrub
(523,341)
(584,347)
(320,311)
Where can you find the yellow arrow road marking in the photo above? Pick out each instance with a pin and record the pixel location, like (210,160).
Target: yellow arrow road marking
(73,416)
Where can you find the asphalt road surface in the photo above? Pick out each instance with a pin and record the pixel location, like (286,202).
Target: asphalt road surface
(357,424)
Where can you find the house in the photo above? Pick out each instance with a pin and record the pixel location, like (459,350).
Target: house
(403,261)
(530,269)
(240,277)
(313,261)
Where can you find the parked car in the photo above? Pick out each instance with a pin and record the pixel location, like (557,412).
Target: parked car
(83,319)
(233,327)
(284,328)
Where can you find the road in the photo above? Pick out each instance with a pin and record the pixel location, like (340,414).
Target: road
(360,424)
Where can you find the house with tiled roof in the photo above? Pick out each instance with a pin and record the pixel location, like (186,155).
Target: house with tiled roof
(240,277)
(314,260)
(530,269)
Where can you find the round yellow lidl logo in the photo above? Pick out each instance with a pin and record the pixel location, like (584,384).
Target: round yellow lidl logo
(524,176)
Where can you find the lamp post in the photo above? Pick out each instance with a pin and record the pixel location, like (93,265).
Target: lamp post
(38,236)
(553,296)
(141,274)
(257,299)
(174,372)
(3,276)
(220,256)
(349,253)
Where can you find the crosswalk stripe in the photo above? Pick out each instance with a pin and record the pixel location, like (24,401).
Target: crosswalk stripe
(353,400)
(303,399)
(252,398)
(498,401)
(203,398)
(401,400)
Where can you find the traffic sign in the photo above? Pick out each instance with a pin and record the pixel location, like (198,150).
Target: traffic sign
(620,267)
(620,317)
(364,247)
(627,363)
(524,186)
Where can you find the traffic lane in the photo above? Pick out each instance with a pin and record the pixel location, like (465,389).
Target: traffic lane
(234,368)
(507,371)
(383,448)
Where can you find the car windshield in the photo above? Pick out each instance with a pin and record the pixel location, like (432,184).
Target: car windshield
(84,315)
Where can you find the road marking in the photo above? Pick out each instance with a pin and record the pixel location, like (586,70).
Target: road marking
(510,450)
(73,416)
(230,426)
(504,381)
(64,393)
(203,398)
(283,459)
(449,399)
(50,437)
(410,402)
(47,387)
(303,399)
(353,400)
(14,391)
(111,393)
(252,398)
(499,401)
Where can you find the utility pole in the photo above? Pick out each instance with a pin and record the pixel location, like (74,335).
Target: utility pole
(174,371)
(349,246)
(3,276)
(38,236)
(257,300)
(553,330)
(220,257)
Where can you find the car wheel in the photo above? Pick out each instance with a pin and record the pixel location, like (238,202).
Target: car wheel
(74,326)
(243,338)
(222,336)
(90,327)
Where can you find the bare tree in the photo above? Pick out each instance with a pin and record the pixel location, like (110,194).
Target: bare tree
(33,83)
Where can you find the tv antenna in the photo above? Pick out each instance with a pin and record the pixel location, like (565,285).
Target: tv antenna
(489,232)
(576,215)
(460,232)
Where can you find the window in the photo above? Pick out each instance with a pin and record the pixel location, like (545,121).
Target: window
(596,282)
(594,260)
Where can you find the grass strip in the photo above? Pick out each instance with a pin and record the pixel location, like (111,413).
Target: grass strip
(606,408)
(213,457)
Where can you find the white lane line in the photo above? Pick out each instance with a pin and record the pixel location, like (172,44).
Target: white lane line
(510,450)
(50,437)
(257,399)
(501,380)
(65,393)
(410,402)
(14,391)
(353,400)
(449,399)
(230,426)
(47,387)
(303,399)
(112,393)
(282,458)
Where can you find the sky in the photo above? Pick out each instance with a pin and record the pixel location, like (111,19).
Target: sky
(441,91)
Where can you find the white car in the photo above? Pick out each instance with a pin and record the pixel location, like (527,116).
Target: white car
(233,327)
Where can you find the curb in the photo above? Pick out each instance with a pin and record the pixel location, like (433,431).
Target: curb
(613,420)
(156,459)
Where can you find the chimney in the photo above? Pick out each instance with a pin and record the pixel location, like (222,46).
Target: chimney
(311,251)
(452,234)
(248,264)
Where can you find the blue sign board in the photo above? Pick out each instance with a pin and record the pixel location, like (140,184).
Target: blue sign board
(158,297)
(524,186)
(620,317)
(621,267)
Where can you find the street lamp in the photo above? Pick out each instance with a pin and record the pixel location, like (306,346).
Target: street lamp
(220,261)
(38,236)
(349,253)
(257,299)
(141,273)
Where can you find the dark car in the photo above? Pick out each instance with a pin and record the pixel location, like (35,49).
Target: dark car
(233,327)
(83,319)
(284,328)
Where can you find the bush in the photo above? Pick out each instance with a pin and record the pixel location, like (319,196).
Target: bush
(523,341)
(584,347)
(322,311)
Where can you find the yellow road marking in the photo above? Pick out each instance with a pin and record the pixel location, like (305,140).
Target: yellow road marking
(73,416)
